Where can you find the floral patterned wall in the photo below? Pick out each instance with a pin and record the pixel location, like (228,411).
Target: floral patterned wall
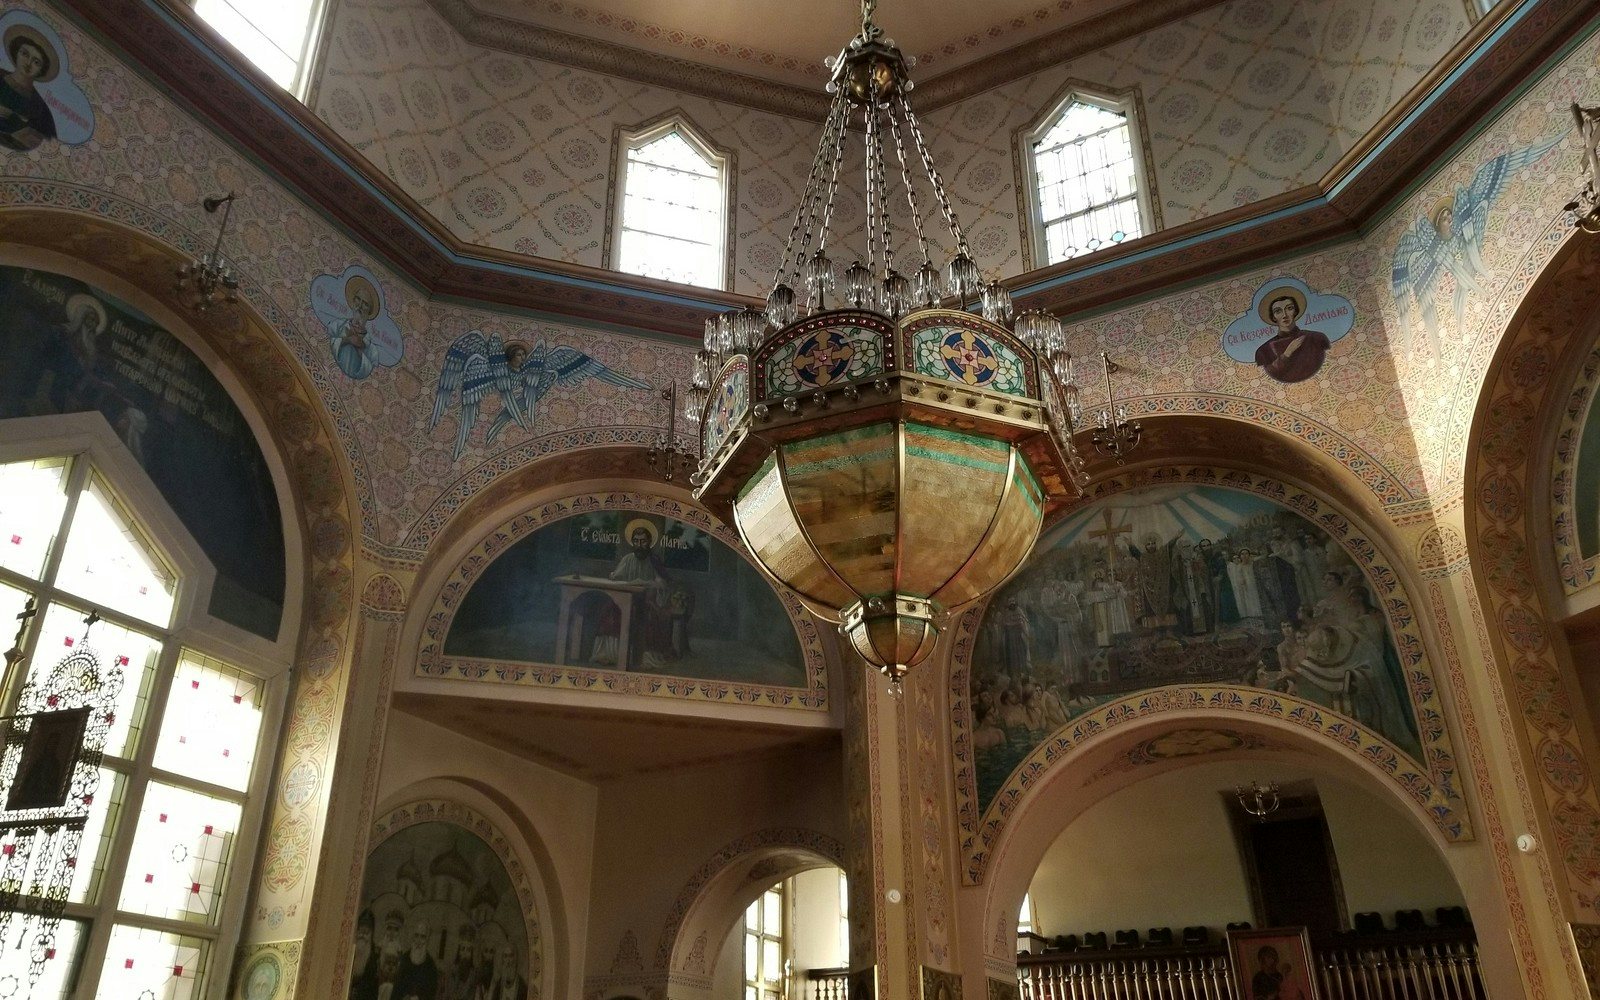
(1245,100)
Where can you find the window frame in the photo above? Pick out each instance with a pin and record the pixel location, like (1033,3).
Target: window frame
(92,448)
(624,141)
(1127,102)
(763,934)
(311,48)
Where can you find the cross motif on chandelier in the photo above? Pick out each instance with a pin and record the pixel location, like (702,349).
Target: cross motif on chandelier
(822,359)
(970,357)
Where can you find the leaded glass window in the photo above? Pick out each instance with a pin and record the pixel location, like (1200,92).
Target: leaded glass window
(1087,183)
(672,223)
(764,947)
(159,860)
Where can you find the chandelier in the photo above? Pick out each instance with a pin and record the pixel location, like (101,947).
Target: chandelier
(888,454)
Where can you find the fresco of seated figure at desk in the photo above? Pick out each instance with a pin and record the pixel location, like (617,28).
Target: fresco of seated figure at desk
(625,590)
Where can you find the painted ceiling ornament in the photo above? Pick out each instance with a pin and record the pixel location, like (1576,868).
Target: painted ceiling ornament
(886,458)
(40,101)
(1288,329)
(361,333)
(478,364)
(49,773)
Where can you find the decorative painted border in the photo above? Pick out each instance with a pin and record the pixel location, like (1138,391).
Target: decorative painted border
(433,662)
(793,837)
(1434,785)
(1517,405)
(439,810)
(1576,571)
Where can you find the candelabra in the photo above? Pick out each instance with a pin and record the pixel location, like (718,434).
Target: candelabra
(667,456)
(1117,435)
(1258,802)
(205,279)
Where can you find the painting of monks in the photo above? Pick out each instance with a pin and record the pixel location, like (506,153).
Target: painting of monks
(439,920)
(1179,585)
(625,590)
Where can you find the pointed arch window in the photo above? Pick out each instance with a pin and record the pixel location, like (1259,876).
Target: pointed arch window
(672,217)
(1087,182)
(158,886)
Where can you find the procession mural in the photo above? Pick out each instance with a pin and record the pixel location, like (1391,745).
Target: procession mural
(1442,252)
(1288,329)
(39,100)
(71,348)
(439,920)
(1179,585)
(625,590)
(520,376)
(361,333)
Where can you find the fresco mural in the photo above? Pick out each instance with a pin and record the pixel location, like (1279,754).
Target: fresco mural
(361,333)
(626,590)
(1443,249)
(1179,585)
(39,100)
(1288,329)
(1586,484)
(439,920)
(71,348)
(476,364)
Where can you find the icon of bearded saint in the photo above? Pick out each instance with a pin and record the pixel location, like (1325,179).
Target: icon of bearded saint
(478,364)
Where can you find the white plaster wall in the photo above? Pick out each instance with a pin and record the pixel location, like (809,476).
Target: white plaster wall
(1120,864)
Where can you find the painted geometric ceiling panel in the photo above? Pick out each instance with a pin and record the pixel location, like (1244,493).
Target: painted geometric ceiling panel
(1243,101)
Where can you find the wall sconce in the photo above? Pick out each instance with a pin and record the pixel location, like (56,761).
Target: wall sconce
(203,278)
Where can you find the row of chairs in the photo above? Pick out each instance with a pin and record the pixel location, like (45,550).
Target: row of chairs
(1162,937)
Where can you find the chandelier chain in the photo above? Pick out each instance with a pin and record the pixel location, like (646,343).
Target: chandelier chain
(810,198)
(833,188)
(911,192)
(869,119)
(933,176)
(883,186)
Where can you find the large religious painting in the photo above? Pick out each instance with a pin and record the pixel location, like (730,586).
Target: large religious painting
(626,590)
(439,920)
(71,348)
(1179,585)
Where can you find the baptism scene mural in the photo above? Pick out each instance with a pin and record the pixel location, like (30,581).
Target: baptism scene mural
(1179,585)
(624,590)
(71,348)
(439,920)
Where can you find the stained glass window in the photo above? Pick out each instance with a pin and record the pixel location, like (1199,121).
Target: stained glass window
(1086,173)
(673,217)
(165,818)
(278,36)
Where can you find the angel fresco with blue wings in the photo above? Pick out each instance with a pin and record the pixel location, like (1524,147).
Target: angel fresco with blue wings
(1450,239)
(478,364)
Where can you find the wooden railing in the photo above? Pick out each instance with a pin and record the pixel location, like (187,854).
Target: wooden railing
(1422,965)
(827,984)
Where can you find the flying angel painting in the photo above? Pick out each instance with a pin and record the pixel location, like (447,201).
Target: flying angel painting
(1449,239)
(478,364)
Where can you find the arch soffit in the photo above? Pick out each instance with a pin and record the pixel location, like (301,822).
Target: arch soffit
(1507,522)
(449,578)
(1433,786)
(728,881)
(1114,760)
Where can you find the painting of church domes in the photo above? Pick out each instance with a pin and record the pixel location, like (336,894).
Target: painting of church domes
(439,920)
(1180,585)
